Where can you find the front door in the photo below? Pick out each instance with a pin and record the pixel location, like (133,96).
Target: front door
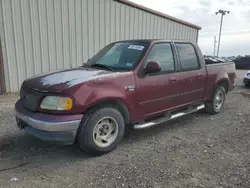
(193,74)
(159,92)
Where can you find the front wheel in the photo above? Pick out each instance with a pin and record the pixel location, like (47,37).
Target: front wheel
(217,102)
(101,130)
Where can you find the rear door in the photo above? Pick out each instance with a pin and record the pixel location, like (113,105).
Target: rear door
(193,74)
(159,92)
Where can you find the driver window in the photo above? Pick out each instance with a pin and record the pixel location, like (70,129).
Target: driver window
(162,53)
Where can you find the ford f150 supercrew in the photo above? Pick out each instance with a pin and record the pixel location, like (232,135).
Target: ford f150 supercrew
(137,83)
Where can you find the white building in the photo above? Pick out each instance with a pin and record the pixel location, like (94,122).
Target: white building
(38,36)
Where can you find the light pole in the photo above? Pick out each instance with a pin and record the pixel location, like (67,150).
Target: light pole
(214,45)
(222,12)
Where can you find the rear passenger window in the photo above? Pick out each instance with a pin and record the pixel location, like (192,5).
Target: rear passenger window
(163,54)
(188,57)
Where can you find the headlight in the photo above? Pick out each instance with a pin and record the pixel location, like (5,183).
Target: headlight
(56,103)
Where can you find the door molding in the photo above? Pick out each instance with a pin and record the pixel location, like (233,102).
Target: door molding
(2,78)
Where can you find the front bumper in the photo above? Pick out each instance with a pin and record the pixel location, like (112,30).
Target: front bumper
(246,81)
(55,128)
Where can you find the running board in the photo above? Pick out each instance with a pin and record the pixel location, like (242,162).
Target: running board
(165,119)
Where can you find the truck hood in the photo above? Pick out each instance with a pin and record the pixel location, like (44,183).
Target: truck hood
(60,80)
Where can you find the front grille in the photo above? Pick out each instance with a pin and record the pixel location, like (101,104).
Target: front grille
(30,99)
(246,81)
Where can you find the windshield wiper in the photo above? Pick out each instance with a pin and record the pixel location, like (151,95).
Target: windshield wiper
(102,66)
(84,65)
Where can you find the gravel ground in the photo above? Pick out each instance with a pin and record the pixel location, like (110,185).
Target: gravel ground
(198,150)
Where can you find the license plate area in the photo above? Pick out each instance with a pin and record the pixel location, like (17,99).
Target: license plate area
(20,123)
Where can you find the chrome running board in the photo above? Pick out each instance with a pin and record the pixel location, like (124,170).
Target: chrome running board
(167,118)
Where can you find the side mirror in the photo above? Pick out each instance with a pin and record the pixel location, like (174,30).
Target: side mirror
(153,67)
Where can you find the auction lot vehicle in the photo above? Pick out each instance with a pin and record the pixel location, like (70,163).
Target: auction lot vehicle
(246,80)
(138,83)
(242,62)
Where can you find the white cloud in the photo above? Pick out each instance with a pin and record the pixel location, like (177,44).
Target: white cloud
(236,26)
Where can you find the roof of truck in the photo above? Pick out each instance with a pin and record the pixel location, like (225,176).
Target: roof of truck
(139,40)
(153,40)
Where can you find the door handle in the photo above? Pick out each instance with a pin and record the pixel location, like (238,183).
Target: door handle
(198,76)
(171,80)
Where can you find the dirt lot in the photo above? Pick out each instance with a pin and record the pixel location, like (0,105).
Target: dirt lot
(198,150)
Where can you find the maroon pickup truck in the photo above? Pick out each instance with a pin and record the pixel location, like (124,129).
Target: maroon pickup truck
(137,83)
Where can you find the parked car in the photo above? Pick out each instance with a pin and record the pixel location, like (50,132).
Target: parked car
(212,60)
(246,80)
(138,83)
(242,63)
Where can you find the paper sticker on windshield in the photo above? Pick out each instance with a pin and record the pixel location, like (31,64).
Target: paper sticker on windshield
(136,47)
(129,64)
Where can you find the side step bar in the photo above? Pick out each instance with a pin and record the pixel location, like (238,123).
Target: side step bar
(167,118)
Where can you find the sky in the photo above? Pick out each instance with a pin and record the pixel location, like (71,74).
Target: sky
(235,39)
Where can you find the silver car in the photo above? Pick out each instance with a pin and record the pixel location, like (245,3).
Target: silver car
(247,79)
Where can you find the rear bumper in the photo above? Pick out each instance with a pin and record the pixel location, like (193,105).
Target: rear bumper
(55,128)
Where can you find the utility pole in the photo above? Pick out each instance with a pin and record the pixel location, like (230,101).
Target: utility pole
(214,45)
(222,12)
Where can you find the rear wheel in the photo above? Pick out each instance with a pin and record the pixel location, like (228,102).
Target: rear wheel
(101,130)
(217,102)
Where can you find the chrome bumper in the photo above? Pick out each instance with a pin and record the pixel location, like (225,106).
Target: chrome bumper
(49,126)
(58,132)
(54,128)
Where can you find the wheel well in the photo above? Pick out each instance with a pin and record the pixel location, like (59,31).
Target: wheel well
(224,83)
(119,105)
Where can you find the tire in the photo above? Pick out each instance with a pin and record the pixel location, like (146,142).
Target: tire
(94,126)
(213,107)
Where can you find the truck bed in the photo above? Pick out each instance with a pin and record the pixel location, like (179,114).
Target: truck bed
(217,71)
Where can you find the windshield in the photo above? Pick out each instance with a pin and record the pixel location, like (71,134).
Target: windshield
(120,56)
